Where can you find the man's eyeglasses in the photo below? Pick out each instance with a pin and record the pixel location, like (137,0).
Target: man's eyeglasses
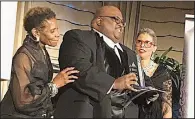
(147,44)
(116,19)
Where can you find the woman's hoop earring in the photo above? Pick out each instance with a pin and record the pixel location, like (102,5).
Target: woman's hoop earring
(38,39)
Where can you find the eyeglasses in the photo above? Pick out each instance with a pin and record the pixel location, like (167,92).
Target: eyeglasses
(116,19)
(147,44)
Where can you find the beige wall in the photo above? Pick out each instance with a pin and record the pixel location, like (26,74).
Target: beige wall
(4,87)
(167,18)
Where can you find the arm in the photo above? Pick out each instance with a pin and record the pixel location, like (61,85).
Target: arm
(167,99)
(92,81)
(28,99)
(22,96)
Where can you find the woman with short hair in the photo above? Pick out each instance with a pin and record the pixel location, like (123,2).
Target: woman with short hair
(31,85)
(157,75)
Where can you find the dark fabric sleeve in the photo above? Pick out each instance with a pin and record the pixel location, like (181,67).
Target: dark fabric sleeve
(24,99)
(167,97)
(164,82)
(92,81)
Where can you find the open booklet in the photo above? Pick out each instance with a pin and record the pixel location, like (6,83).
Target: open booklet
(148,88)
(143,94)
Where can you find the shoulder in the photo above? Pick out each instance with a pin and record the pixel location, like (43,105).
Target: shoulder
(161,76)
(131,56)
(21,58)
(128,50)
(163,68)
(162,71)
(79,35)
(86,37)
(27,50)
(78,32)
(21,50)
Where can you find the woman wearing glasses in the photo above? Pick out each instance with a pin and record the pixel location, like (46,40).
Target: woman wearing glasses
(157,75)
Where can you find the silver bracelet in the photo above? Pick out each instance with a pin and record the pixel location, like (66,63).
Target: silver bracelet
(53,88)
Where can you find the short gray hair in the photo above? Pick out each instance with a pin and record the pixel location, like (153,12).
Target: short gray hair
(149,32)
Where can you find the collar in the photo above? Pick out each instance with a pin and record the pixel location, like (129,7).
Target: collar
(108,41)
(30,41)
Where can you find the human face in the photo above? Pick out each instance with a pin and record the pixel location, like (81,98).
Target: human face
(49,34)
(145,46)
(111,24)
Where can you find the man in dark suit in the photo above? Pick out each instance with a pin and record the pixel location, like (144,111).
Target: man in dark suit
(105,79)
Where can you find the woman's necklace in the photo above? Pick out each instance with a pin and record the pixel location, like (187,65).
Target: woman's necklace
(149,68)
